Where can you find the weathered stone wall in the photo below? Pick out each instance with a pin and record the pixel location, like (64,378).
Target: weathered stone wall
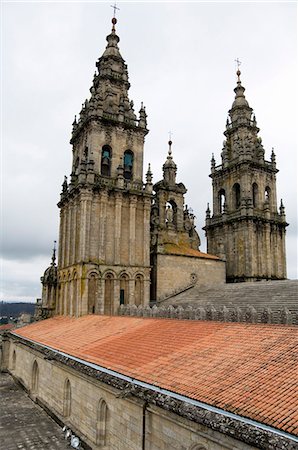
(175,272)
(127,422)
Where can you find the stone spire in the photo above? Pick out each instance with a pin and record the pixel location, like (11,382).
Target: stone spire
(242,141)
(109,91)
(169,168)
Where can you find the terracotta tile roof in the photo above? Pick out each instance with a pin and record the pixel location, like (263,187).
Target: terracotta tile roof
(185,250)
(247,369)
(7,326)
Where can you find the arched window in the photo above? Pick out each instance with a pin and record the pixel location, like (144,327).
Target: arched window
(67,398)
(128,164)
(236,195)
(13,362)
(267,194)
(255,195)
(102,423)
(35,377)
(92,293)
(109,294)
(139,290)
(124,289)
(221,200)
(86,152)
(106,158)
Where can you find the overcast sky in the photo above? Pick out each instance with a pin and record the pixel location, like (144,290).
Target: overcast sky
(180,59)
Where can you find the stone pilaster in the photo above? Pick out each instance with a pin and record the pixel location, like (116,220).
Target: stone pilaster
(102,225)
(147,207)
(132,229)
(118,206)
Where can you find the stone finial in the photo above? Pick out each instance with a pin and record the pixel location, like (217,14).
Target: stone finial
(142,117)
(212,163)
(208,212)
(273,157)
(149,174)
(169,167)
(282,211)
(54,254)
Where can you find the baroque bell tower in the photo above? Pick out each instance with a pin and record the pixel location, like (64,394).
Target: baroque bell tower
(246,228)
(104,237)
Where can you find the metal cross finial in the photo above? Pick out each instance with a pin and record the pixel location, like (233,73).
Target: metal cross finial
(238,62)
(115,8)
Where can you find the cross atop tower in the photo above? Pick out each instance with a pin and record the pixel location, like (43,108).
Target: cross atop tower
(115,9)
(238,62)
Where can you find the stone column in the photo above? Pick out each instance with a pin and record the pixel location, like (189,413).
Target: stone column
(101,297)
(83,228)
(68,236)
(83,294)
(268,249)
(74,233)
(131,287)
(118,206)
(283,273)
(88,228)
(132,229)
(116,302)
(63,237)
(102,226)
(147,208)
(71,234)
(60,244)
(146,299)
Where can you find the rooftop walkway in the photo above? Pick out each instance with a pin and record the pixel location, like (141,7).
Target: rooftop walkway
(24,425)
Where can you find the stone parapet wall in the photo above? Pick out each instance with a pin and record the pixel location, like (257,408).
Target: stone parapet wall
(211,312)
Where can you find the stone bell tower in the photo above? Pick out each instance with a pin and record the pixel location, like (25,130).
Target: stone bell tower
(246,228)
(103,258)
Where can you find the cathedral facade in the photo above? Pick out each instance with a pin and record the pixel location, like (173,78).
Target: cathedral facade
(125,241)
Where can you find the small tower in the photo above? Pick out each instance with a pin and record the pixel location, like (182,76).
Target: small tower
(104,239)
(172,225)
(246,228)
(49,281)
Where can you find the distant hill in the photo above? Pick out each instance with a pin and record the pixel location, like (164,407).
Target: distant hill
(15,309)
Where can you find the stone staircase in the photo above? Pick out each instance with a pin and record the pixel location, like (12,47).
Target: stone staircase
(275,295)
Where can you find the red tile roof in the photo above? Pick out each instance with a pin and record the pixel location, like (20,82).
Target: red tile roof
(247,369)
(7,326)
(185,250)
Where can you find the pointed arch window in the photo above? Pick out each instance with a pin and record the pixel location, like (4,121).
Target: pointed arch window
(102,423)
(236,195)
(106,159)
(128,164)
(35,377)
(67,398)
